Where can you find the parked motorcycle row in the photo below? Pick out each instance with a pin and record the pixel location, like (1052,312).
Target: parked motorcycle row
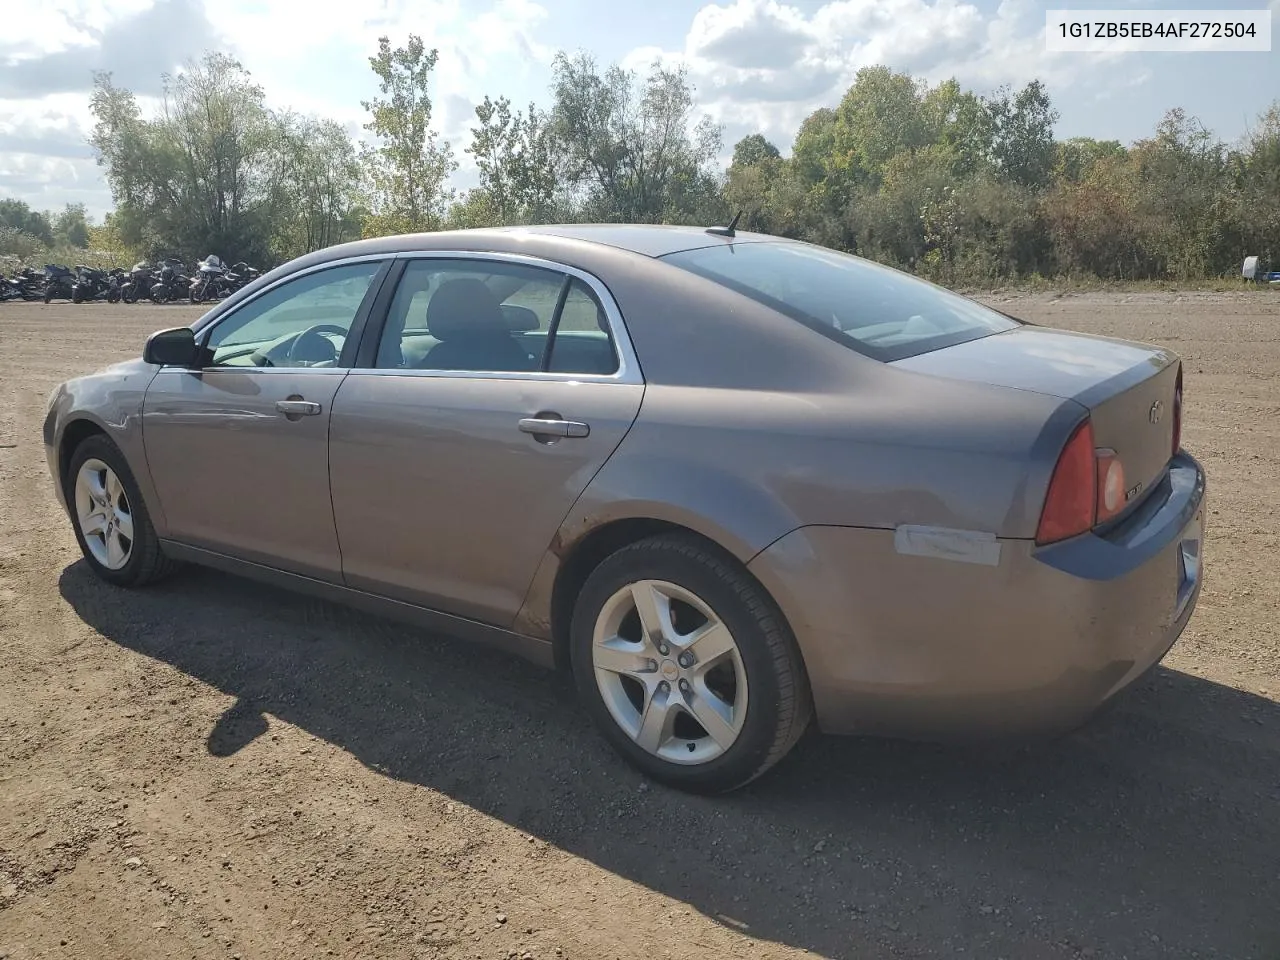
(165,282)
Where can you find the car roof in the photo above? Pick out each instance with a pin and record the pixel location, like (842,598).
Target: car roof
(650,240)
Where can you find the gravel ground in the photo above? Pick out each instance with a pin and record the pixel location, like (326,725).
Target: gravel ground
(212,769)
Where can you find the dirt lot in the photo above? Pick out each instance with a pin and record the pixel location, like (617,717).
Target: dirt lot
(213,769)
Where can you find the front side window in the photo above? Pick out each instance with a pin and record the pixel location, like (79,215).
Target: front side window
(303,322)
(878,311)
(489,316)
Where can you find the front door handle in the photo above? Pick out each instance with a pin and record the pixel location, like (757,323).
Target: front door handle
(549,427)
(298,408)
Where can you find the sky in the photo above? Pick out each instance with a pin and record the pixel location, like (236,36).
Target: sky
(757,65)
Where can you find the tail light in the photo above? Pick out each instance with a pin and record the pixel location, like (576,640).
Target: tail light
(1087,488)
(1071,506)
(1177,413)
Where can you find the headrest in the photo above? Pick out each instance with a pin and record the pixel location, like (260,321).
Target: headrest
(520,318)
(465,308)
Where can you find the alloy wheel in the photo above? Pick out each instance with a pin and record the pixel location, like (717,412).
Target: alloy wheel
(104,514)
(670,672)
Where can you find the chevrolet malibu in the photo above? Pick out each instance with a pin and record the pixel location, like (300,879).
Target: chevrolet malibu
(738,485)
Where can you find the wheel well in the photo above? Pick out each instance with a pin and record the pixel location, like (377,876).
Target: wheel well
(76,432)
(588,554)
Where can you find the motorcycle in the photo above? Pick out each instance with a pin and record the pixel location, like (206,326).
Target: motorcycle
(58,281)
(26,284)
(138,281)
(241,275)
(211,280)
(94,284)
(172,279)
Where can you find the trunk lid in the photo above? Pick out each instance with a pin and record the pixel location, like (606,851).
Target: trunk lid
(1128,388)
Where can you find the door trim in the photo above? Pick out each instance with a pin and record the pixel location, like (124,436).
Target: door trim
(536,650)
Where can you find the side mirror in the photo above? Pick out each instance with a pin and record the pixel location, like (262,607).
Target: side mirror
(172,348)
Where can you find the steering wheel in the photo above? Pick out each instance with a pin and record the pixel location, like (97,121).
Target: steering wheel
(314,335)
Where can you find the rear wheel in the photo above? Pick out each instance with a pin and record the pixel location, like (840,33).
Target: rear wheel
(687,666)
(110,520)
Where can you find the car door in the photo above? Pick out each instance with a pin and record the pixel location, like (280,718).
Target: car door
(497,390)
(238,450)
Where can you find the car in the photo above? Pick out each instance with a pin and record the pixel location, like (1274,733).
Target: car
(740,486)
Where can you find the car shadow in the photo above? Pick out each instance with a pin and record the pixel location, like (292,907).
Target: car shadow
(1155,831)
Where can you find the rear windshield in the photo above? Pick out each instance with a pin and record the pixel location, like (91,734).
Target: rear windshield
(883,313)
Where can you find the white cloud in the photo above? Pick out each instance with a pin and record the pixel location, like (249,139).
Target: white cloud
(308,55)
(765,65)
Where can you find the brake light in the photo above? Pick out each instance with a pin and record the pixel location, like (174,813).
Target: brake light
(1071,506)
(1177,413)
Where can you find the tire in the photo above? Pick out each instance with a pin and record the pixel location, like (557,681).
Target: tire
(762,659)
(145,562)
(48,294)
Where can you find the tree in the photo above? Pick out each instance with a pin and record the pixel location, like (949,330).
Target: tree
(1256,196)
(20,218)
(409,170)
(1076,158)
(516,156)
(754,149)
(633,151)
(317,185)
(957,120)
(196,179)
(72,226)
(880,116)
(1022,134)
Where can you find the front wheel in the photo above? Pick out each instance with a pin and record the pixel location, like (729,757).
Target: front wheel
(110,520)
(687,666)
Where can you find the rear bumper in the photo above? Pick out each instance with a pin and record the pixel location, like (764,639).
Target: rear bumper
(1031,641)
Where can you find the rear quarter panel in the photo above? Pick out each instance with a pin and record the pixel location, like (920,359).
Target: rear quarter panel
(745,468)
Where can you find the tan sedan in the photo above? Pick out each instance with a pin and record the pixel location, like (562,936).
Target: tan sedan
(733,482)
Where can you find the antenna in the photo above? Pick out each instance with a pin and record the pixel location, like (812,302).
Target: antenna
(729,230)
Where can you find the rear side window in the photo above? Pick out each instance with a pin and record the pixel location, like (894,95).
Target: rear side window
(878,311)
(492,316)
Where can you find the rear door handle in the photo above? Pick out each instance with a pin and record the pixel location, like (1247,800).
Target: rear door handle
(541,427)
(298,408)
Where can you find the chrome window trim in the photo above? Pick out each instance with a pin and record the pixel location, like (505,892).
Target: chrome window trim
(628,371)
(269,371)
